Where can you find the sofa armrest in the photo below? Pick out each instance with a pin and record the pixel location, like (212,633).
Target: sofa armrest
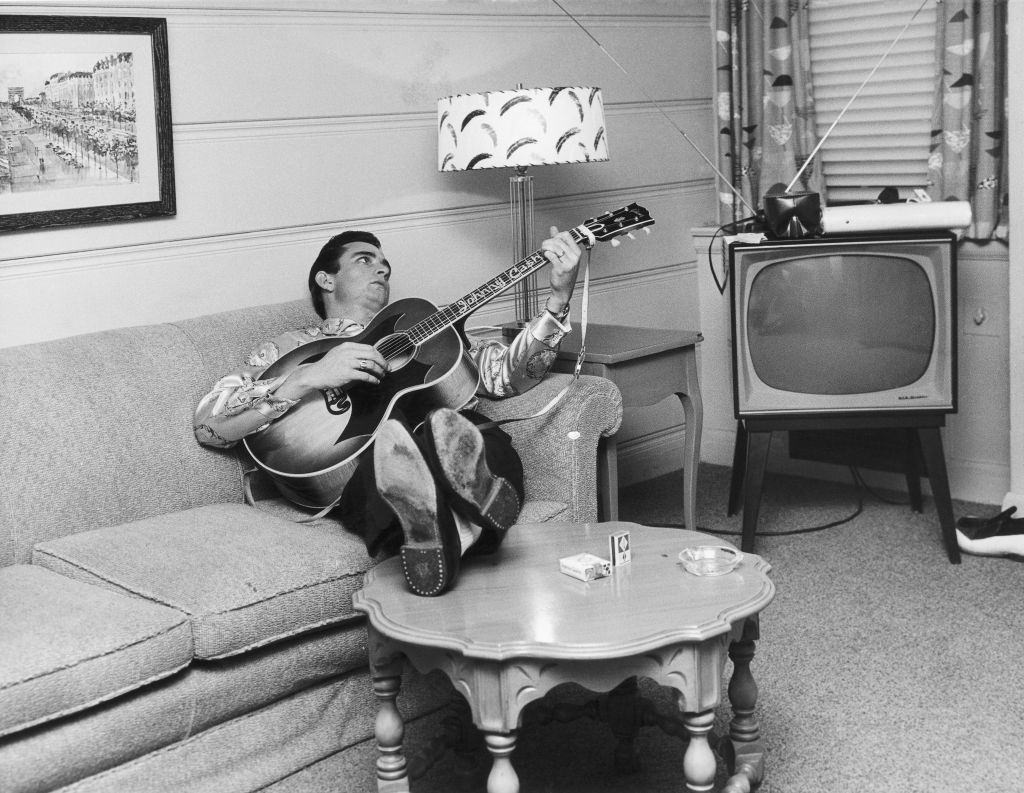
(559,449)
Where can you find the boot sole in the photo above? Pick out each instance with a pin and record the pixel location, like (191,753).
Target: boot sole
(490,499)
(405,482)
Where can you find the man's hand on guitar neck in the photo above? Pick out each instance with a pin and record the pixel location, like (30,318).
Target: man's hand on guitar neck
(564,254)
(349,362)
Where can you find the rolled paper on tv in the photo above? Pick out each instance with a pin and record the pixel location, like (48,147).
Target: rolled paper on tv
(859,218)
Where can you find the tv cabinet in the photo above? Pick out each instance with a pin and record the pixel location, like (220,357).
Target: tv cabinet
(924,444)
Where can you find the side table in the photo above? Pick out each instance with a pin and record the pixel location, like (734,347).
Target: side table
(647,365)
(650,618)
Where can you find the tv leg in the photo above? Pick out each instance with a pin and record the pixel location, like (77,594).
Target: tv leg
(753,481)
(913,470)
(739,467)
(931,445)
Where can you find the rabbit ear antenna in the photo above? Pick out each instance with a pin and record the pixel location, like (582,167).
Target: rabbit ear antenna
(658,107)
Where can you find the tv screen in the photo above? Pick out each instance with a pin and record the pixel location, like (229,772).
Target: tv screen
(843,326)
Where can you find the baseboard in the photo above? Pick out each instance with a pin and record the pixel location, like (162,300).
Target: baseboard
(651,455)
(659,453)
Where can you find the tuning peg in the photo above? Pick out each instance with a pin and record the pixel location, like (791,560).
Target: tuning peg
(630,235)
(616,242)
(647,230)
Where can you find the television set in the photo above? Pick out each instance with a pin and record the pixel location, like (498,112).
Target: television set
(844,326)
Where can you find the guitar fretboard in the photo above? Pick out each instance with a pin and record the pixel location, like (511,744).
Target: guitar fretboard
(444,318)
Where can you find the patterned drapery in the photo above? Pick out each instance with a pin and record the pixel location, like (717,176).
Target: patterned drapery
(765,102)
(968,158)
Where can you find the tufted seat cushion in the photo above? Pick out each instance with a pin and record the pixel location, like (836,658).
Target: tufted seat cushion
(244,577)
(65,645)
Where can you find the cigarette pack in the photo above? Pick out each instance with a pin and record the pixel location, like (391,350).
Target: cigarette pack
(585,566)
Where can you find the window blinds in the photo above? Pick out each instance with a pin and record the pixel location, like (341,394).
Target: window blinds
(883,139)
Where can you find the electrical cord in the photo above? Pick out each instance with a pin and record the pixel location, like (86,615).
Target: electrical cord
(858,485)
(860,480)
(727,228)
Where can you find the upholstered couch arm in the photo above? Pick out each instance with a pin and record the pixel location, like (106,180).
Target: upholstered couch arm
(559,449)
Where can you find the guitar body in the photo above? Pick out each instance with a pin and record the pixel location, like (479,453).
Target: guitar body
(312,450)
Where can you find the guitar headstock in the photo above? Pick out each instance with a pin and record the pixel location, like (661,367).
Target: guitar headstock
(621,221)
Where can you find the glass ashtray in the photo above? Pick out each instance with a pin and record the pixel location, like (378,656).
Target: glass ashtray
(710,560)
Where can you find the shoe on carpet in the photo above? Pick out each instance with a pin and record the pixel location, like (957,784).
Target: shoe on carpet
(431,549)
(1011,545)
(978,528)
(455,448)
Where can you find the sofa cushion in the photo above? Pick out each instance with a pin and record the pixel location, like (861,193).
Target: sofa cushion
(65,645)
(244,577)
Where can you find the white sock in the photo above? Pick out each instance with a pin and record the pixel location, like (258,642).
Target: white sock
(469,532)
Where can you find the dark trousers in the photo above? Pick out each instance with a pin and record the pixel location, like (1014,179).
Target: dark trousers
(363,511)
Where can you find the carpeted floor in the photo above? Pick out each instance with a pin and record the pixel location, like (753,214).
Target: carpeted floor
(881,666)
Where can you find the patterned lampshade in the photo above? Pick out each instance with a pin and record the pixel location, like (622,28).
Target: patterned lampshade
(522,127)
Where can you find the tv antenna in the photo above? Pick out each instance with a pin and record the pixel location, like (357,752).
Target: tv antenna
(855,95)
(728,183)
(682,132)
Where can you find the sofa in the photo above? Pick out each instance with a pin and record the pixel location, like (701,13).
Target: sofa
(158,632)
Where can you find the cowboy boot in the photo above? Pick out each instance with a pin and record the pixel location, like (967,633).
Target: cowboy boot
(455,450)
(431,550)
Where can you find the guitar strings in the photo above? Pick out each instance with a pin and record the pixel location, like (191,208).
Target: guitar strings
(405,342)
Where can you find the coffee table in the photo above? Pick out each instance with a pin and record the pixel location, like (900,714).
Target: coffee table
(514,627)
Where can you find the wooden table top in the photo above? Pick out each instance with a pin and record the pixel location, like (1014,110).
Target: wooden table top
(517,603)
(611,344)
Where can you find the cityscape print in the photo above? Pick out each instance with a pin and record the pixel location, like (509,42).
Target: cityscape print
(67,125)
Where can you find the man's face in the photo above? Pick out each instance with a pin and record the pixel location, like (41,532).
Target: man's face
(363,275)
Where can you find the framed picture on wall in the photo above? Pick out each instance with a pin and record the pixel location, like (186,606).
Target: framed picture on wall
(85,121)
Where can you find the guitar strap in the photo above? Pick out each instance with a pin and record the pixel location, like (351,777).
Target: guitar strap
(584,311)
(247,475)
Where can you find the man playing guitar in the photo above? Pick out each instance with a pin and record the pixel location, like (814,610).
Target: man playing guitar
(432,494)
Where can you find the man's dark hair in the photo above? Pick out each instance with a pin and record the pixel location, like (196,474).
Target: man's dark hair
(328,262)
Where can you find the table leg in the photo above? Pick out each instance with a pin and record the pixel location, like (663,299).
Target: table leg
(503,778)
(745,750)
(699,763)
(608,479)
(693,411)
(389,731)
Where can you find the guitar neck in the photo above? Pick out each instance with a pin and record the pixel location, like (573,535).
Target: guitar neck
(459,309)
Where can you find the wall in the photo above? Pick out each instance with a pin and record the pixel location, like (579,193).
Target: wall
(1015,55)
(292,121)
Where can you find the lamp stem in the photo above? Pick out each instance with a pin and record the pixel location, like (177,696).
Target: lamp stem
(520,186)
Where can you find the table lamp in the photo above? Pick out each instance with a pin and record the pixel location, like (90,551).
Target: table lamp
(516,129)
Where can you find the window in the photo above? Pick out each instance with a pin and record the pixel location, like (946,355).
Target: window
(883,138)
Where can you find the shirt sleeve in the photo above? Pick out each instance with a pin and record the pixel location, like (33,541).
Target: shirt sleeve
(508,370)
(241,403)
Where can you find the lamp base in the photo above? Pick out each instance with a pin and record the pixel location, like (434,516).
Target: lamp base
(520,187)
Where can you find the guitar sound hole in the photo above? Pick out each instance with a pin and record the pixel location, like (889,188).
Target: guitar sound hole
(397,350)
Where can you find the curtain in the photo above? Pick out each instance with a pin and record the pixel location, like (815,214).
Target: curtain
(764,101)
(968,159)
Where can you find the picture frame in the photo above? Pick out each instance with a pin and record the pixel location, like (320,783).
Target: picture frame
(85,121)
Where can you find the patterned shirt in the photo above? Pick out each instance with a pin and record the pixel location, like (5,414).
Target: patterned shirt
(241,403)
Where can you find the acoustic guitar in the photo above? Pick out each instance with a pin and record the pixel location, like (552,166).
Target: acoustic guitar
(312,450)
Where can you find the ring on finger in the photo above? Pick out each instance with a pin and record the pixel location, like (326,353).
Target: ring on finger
(363,364)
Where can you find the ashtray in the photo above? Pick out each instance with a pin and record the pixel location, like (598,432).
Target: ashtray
(710,560)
